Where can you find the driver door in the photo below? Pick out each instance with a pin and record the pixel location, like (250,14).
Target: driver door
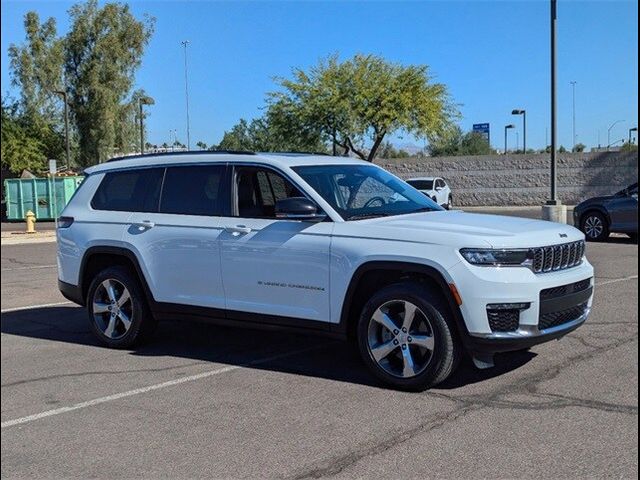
(270,266)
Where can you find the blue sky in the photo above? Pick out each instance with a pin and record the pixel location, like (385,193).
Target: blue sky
(494,56)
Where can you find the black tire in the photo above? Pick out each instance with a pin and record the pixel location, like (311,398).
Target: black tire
(633,237)
(142,323)
(449,204)
(446,352)
(595,226)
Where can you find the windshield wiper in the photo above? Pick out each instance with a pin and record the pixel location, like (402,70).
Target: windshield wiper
(362,216)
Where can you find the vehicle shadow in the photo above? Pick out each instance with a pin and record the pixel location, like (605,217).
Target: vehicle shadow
(257,349)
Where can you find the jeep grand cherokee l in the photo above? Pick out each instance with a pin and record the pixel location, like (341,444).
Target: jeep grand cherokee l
(317,243)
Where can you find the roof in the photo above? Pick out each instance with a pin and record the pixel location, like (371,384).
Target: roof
(281,160)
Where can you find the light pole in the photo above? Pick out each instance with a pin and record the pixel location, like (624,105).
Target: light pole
(506,128)
(609,131)
(634,129)
(63,94)
(143,101)
(524,127)
(573,94)
(553,210)
(185,43)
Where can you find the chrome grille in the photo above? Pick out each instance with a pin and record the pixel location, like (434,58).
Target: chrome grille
(556,257)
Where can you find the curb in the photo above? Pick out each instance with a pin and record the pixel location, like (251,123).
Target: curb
(19,238)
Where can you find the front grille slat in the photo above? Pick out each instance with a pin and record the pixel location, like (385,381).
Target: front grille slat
(556,257)
(562,290)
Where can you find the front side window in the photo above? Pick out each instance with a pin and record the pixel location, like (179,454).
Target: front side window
(129,191)
(364,191)
(194,190)
(258,190)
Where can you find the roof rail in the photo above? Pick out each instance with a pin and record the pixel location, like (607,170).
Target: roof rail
(294,153)
(188,152)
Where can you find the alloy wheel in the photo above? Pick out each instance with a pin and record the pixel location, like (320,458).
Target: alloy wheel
(112,308)
(400,339)
(593,226)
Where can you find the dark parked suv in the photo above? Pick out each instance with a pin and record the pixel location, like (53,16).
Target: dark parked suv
(600,216)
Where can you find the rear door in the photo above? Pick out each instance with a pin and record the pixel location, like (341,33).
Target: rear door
(177,242)
(272,266)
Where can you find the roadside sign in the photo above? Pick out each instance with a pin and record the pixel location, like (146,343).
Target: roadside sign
(484,130)
(53,169)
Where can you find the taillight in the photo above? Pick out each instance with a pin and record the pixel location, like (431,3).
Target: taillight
(65,222)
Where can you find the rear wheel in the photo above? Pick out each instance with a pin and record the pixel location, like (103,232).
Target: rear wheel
(595,226)
(406,337)
(117,308)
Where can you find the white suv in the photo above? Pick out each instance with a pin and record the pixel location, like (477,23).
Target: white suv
(321,244)
(435,188)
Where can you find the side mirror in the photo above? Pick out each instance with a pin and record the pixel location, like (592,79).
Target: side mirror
(438,189)
(298,208)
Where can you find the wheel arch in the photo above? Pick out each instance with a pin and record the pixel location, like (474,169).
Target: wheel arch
(373,275)
(594,208)
(97,258)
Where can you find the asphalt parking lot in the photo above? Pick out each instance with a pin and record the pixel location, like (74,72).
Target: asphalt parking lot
(204,401)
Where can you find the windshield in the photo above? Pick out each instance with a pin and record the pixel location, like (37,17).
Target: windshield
(364,191)
(421,184)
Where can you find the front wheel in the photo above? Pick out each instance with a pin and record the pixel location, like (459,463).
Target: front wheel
(595,227)
(449,204)
(406,337)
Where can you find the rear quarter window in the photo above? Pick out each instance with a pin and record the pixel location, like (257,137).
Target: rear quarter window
(129,191)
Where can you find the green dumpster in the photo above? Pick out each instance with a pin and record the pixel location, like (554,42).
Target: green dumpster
(46,197)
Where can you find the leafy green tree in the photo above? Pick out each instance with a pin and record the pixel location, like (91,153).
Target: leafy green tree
(387,150)
(36,68)
(458,143)
(27,144)
(629,147)
(271,133)
(362,100)
(201,145)
(562,149)
(578,147)
(103,50)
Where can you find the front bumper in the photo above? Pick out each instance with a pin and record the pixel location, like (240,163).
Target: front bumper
(480,287)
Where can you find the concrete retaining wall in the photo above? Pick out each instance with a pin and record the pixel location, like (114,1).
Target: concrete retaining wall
(523,179)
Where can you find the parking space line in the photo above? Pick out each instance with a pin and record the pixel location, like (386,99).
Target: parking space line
(33,307)
(616,280)
(34,267)
(158,386)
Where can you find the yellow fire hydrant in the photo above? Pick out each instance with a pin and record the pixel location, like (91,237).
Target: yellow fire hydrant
(30,218)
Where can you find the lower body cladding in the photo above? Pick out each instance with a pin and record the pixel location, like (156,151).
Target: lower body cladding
(512,308)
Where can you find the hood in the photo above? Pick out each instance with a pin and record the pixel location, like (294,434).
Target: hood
(459,228)
(602,199)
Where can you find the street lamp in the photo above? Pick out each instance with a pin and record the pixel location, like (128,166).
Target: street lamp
(507,127)
(185,43)
(141,102)
(524,127)
(634,129)
(609,131)
(63,94)
(573,93)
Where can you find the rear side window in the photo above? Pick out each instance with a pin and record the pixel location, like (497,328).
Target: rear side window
(129,191)
(195,190)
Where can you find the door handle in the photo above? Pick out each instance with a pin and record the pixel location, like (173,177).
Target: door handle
(238,229)
(145,224)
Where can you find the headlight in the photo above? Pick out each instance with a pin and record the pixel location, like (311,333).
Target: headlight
(490,257)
